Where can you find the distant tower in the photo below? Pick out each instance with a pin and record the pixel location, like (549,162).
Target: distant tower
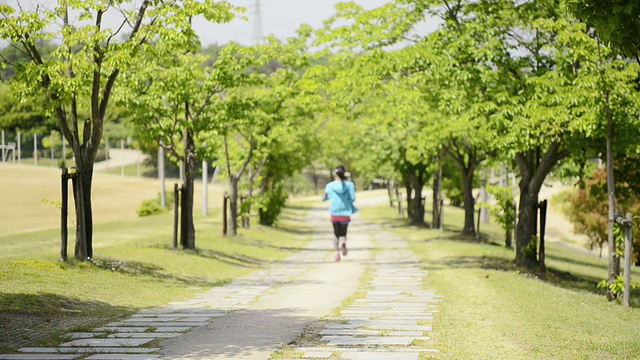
(257,22)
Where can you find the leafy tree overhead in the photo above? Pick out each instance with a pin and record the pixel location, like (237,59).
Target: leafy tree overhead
(82,72)
(617,22)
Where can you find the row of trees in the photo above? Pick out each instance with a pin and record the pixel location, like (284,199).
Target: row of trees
(522,83)
(519,83)
(238,107)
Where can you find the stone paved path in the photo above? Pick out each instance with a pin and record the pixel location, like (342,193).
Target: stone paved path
(393,320)
(256,315)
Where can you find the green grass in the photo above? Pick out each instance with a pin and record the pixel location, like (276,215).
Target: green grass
(134,267)
(131,170)
(493,310)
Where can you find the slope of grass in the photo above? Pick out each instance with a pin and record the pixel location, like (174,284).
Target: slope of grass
(135,267)
(493,310)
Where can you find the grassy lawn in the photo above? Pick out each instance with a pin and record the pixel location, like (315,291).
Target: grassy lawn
(493,310)
(134,267)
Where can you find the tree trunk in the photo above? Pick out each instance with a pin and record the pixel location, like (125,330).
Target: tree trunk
(390,192)
(87,181)
(82,182)
(417,215)
(534,168)
(188,233)
(233,205)
(409,198)
(467,160)
(613,268)
(437,189)
(246,218)
(527,227)
(469,201)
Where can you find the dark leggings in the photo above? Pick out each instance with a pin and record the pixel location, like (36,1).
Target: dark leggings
(340,229)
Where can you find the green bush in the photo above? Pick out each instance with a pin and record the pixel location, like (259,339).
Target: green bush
(271,204)
(150,207)
(153,207)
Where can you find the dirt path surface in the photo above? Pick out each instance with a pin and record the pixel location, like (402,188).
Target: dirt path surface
(296,294)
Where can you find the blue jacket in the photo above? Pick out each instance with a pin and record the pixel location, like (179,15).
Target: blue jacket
(342,195)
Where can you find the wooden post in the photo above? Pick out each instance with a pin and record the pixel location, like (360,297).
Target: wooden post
(53,138)
(176,217)
(163,192)
(224,214)
(441,215)
(515,218)
(122,157)
(205,188)
(63,216)
(628,244)
(543,222)
(106,153)
(19,148)
(35,148)
(478,223)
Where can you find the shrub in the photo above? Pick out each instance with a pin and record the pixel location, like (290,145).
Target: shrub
(153,207)
(150,207)
(271,205)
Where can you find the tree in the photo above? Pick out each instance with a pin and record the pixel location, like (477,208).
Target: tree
(258,114)
(617,22)
(81,74)
(175,100)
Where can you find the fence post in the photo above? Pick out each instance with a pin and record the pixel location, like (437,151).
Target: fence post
(441,221)
(106,153)
(53,138)
(205,188)
(19,148)
(35,148)
(163,192)
(628,244)
(64,212)
(224,214)
(122,157)
(176,207)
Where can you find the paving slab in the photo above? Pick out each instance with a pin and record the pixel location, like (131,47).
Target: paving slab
(84,335)
(367,322)
(401,327)
(365,350)
(83,350)
(375,312)
(145,335)
(174,329)
(337,340)
(123,357)
(121,329)
(353,332)
(379,356)
(106,342)
(39,356)
(156,324)
(395,305)
(167,314)
(389,318)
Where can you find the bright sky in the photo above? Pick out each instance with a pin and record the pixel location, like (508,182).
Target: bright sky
(279,17)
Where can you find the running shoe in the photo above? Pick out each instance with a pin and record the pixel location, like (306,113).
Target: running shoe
(337,258)
(343,246)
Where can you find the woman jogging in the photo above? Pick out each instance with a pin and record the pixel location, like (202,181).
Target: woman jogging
(342,193)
